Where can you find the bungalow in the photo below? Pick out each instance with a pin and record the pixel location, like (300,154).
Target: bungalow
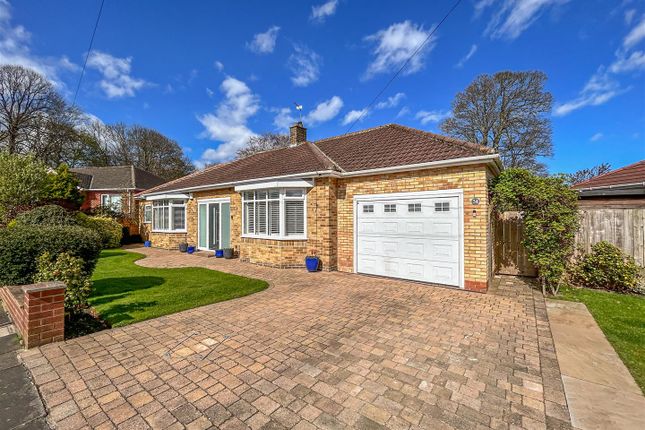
(390,201)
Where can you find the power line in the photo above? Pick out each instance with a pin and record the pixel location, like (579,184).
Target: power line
(416,51)
(89,49)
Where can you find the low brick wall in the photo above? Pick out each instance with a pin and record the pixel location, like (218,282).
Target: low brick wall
(37,311)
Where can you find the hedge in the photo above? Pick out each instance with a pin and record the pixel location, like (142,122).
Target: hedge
(108,229)
(46,215)
(20,247)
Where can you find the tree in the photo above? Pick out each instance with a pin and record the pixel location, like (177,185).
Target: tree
(549,210)
(23,183)
(263,142)
(26,99)
(63,186)
(586,174)
(508,112)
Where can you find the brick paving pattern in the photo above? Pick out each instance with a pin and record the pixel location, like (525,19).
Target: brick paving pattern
(324,350)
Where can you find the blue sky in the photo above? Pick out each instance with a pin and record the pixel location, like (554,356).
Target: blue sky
(210,74)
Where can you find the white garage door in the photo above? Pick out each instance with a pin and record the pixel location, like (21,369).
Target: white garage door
(410,238)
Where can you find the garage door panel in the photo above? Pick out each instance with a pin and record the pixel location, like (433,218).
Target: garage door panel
(417,239)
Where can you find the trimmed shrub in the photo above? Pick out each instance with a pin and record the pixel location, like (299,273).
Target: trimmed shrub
(607,267)
(21,246)
(45,215)
(68,269)
(108,229)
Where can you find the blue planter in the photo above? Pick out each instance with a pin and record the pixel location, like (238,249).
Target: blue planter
(312,263)
(219,253)
(147,244)
(190,249)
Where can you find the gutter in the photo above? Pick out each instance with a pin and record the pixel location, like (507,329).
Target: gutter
(611,187)
(492,159)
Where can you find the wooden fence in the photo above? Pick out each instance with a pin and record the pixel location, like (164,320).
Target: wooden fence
(624,227)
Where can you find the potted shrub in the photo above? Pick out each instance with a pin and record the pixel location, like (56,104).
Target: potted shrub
(228,253)
(312,261)
(183,247)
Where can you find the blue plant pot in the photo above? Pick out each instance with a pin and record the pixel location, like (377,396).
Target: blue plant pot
(190,249)
(147,244)
(219,253)
(312,263)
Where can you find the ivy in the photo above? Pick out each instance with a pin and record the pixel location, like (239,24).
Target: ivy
(550,213)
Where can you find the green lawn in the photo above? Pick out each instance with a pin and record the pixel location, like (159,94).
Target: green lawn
(125,293)
(622,318)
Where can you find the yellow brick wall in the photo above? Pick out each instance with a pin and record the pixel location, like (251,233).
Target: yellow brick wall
(472,179)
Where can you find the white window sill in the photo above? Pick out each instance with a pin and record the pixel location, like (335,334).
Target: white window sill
(268,237)
(170,231)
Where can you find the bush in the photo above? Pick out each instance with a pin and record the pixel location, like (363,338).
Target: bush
(606,267)
(21,246)
(108,229)
(23,183)
(63,186)
(68,269)
(45,215)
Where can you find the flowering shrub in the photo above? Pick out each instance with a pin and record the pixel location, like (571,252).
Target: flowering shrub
(607,267)
(68,269)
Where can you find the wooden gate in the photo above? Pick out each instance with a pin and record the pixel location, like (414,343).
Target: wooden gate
(510,255)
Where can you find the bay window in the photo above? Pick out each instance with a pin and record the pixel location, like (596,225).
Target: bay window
(169,215)
(277,213)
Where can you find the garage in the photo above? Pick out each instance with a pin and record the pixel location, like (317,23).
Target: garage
(415,236)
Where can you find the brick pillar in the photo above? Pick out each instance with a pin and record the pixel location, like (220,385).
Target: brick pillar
(44,313)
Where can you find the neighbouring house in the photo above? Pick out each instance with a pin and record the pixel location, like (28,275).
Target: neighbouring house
(114,187)
(612,208)
(390,201)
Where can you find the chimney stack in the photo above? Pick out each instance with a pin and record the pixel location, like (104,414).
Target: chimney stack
(297,133)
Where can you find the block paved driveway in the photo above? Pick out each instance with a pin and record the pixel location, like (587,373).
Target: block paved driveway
(322,350)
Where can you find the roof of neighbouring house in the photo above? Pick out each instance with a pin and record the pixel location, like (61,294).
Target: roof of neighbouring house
(116,178)
(632,175)
(386,146)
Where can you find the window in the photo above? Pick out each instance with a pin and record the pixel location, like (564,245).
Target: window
(368,209)
(147,214)
(414,207)
(111,201)
(389,208)
(274,213)
(442,207)
(169,215)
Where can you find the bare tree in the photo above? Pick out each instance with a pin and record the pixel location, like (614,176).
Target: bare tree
(26,100)
(263,142)
(508,112)
(586,174)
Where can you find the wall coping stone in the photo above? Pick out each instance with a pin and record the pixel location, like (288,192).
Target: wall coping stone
(44,286)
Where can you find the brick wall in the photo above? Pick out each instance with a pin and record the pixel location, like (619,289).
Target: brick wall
(37,311)
(474,182)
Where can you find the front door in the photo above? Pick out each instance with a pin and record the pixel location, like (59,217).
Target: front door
(214,225)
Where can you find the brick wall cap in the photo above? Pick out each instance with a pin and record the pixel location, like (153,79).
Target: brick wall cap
(44,286)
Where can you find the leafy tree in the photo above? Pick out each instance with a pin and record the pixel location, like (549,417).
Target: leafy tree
(508,112)
(549,209)
(23,183)
(63,185)
(586,174)
(263,142)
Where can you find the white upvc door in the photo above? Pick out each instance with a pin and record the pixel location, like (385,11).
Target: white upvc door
(416,236)
(213,231)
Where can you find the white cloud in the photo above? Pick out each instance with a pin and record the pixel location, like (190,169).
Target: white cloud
(392,101)
(404,111)
(228,124)
(596,137)
(635,61)
(15,49)
(513,17)
(466,57)
(635,35)
(431,116)
(394,45)
(629,16)
(209,92)
(600,88)
(354,115)
(264,43)
(321,12)
(218,65)
(304,65)
(117,81)
(323,112)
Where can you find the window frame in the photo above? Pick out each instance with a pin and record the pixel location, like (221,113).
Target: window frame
(171,205)
(282,199)
(147,207)
(112,205)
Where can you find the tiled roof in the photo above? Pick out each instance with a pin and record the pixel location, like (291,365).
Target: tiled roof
(628,175)
(386,146)
(115,177)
